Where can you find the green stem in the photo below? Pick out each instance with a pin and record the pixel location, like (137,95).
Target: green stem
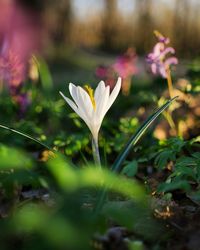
(167,114)
(169,119)
(95,151)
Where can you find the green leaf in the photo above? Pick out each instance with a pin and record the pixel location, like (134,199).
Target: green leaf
(12,158)
(185,161)
(179,184)
(185,171)
(163,158)
(117,166)
(130,169)
(70,179)
(196,155)
(45,75)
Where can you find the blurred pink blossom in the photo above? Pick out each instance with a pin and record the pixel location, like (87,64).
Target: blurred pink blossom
(12,70)
(102,71)
(125,65)
(107,74)
(20,36)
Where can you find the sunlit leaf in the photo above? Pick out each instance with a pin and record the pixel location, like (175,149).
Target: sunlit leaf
(13,158)
(70,179)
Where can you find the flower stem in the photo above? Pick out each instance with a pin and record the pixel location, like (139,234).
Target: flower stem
(95,151)
(168,117)
(169,82)
(167,113)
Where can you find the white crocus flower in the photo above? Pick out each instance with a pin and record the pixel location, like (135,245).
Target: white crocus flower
(92,107)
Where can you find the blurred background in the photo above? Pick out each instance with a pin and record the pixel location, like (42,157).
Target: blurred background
(114,25)
(82,34)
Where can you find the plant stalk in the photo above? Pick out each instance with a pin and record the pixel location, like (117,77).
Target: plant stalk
(169,82)
(168,117)
(95,151)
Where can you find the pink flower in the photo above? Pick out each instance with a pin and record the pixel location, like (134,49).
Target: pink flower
(107,74)
(102,72)
(20,36)
(159,58)
(12,70)
(125,64)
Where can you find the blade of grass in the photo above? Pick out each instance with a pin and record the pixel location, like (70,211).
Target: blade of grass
(45,74)
(117,166)
(26,136)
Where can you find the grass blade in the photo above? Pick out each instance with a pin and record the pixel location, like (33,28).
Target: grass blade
(45,74)
(117,166)
(26,136)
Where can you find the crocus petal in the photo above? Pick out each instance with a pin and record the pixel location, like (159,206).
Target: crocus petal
(85,102)
(102,107)
(82,100)
(78,111)
(71,104)
(99,92)
(114,93)
(72,90)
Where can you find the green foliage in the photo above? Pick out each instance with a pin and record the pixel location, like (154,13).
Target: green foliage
(168,151)
(185,169)
(65,214)
(130,169)
(136,136)
(52,204)
(12,158)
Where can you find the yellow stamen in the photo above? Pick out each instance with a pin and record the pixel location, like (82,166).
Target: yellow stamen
(90,92)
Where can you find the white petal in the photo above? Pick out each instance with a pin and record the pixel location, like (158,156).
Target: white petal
(74,107)
(114,93)
(100,111)
(99,92)
(103,103)
(71,104)
(81,99)
(84,102)
(74,91)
